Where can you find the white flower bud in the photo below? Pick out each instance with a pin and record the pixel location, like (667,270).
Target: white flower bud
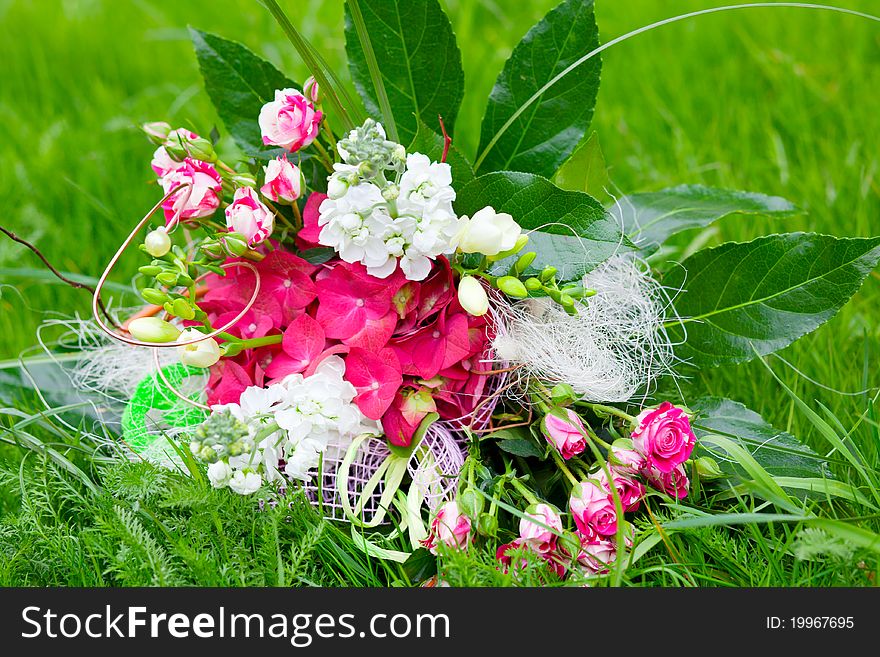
(157,242)
(198,354)
(488,232)
(472,296)
(152,329)
(336,187)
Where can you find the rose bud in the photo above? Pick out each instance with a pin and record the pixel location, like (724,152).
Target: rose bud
(248,216)
(157,131)
(623,459)
(674,483)
(311,90)
(541,538)
(487,232)
(152,329)
(290,121)
(596,556)
(157,242)
(564,430)
(449,527)
(664,437)
(283,181)
(199,354)
(472,296)
(593,509)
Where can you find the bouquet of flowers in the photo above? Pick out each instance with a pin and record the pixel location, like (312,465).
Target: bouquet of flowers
(459,350)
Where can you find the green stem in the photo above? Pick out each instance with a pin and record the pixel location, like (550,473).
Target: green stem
(326,160)
(253,343)
(525,492)
(568,474)
(375,74)
(611,410)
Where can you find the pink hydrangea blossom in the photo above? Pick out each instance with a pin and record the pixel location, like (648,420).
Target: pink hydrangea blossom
(289,121)
(286,279)
(302,343)
(565,430)
(664,437)
(376,377)
(593,509)
(249,216)
(283,181)
(449,527)
(201,193)
(307,237)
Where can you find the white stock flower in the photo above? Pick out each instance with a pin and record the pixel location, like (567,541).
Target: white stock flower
(245,483)
(219,474)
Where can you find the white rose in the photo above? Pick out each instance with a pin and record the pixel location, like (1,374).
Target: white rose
(198,354)
(488,232)
(219,474)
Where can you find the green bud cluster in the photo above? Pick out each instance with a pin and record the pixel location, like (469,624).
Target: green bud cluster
(367,147)
(220,436)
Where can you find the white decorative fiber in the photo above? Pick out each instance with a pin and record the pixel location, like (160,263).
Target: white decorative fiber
(614,348)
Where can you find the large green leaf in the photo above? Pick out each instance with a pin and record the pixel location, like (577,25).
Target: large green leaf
(778,452)
(540,137)
(585,170)
(650,218)
(571,230)
(418,58)
(239,83)
(739,300)
(431,144)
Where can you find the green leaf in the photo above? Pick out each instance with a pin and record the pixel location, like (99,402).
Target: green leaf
(650,218)
(585,170)
(520,448)
(239,83)
(741,300)
(420,566)
(571,230)
(418,59)
(430,143)
(778,452)
(540,137)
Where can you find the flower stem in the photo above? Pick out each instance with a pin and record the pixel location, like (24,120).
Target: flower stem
(556,457)
(611,410)
(522,490)
(253,343)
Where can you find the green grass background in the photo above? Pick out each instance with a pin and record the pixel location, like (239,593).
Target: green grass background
(781,101)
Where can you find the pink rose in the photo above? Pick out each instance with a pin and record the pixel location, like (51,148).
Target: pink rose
(565,431)
(538,537)
(290,121)
(629,490)
(628,461)
(248,216)
(596,556)
(449,527)
(162,162)
(664,437)
(283,181)
(674,483)
(593,509)
(199,198)
(555,561)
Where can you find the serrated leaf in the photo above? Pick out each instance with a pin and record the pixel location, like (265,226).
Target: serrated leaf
(650,218)
(418,59)
(745,299)
(778,452)
(239,83)
(545,132)
(585,170)
(431,144)
(571,230)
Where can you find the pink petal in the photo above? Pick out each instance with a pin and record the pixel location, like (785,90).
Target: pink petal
(375,334)
(457,340)
(377,381)
(308,234)
(303,341)
(233,380)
